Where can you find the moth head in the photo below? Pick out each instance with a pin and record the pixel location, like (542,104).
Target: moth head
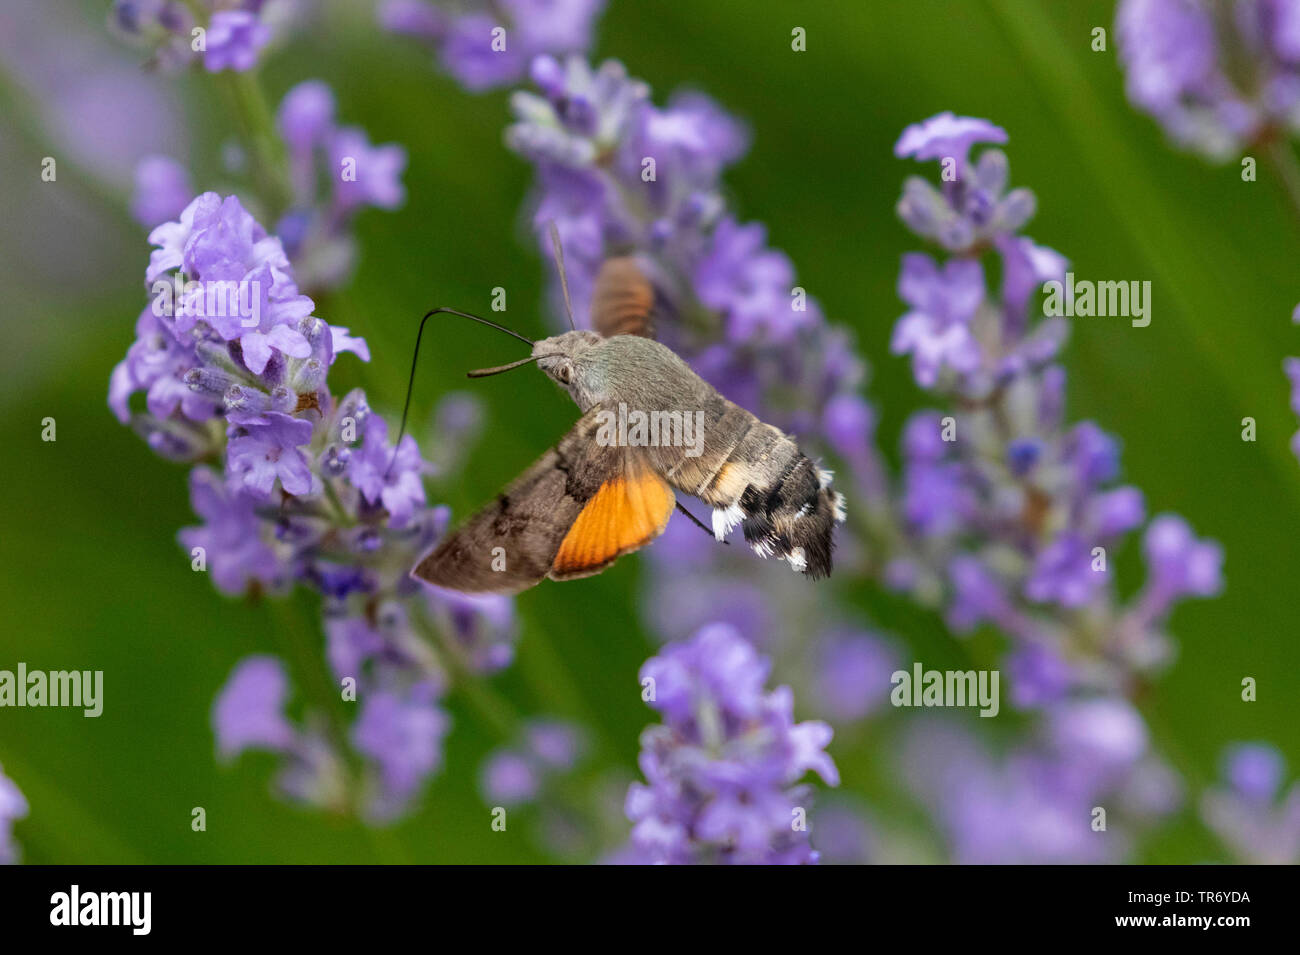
(566,361)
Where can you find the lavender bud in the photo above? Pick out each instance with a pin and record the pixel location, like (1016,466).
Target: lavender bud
(210,382)
(308,376)
(335,460)
(1016,209)
(283,400)
(217,354)
(992,171)
(244,399)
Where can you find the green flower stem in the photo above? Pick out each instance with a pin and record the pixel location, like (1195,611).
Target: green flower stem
(306,662)
(1282,158)
(248,104)
(494,708)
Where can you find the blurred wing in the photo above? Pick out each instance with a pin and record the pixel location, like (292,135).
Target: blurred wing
(569,515)
(623,301)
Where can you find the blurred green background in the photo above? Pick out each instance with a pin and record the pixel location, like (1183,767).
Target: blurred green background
(93,577)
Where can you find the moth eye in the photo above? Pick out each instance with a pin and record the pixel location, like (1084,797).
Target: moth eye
(562,373)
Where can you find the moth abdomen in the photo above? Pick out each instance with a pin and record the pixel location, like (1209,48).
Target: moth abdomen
(782,502)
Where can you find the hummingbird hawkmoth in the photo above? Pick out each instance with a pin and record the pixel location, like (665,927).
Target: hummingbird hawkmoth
(607,489)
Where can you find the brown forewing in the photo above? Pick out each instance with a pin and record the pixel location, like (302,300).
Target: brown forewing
(520,532)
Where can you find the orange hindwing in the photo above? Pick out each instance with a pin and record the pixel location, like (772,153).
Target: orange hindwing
(627,512)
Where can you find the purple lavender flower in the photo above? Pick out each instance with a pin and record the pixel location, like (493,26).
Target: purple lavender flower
(335,173)
(692,140)
(721,769)
(234,40)
(844,835)
(1034,805)
(1292,368)
(1217,84)
(1025,267)
(260,454)
(508,779)
(519,774)
(1038,676)
(387,475)
(481,627)
(1104,734)
(157,363)
(237,321)
(1008,512)
(238,281)
(851,676)
(378,171)
(351,643)
(306,116)
(946,136)
(414,18)
(972,207)
(936,333)
(557,745)
(234,34)
(162,190)
(231,537)
(248,713)
(309,492)
(12,806)
(1254,770)
(1250,812)
(213,236)
(403,735)
(849,423)
(554,26)
(490,45)
(1179,563)
(750,285)
(161,27)
(478,53)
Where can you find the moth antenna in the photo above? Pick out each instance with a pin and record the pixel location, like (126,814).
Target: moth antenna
(415,359)
(564,279)
(485,372)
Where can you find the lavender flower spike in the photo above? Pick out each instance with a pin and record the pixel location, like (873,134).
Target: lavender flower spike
(316,229)
(946,136)
(1009,510)
(485,46)
(1217,83)
(306,489)
(234,32)
(234,40)
(1250,811)
(722,767)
